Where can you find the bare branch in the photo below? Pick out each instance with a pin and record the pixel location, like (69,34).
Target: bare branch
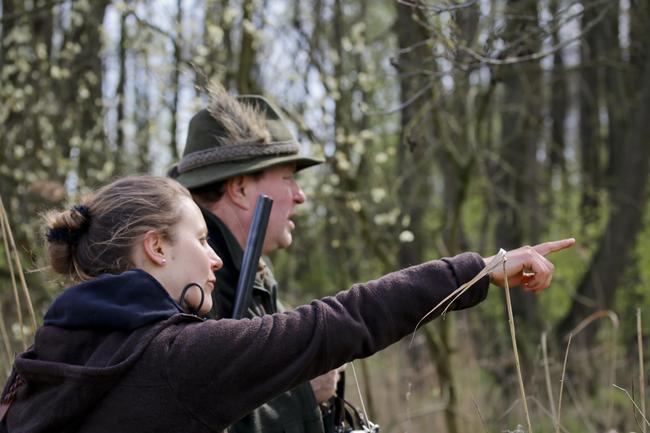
(33,11)
(438,9)
(540,54)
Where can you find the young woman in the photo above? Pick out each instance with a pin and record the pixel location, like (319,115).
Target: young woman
(125,349)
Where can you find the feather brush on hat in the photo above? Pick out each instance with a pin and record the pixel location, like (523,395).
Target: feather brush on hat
(243,123)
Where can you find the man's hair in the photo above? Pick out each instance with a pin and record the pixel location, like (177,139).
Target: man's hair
(212,193)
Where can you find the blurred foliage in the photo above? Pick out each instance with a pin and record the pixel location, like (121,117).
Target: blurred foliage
(446,126)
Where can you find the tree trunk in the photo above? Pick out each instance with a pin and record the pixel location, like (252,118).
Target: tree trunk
(614,89)
(590,143)
(518,183)
(80,94)
(176,85)
(414,170)
(120,94)
(558,104)
(598,286)
(143,118)
(245,81)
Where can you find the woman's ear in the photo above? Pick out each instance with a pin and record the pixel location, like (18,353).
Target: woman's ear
(154,247)
(237,189)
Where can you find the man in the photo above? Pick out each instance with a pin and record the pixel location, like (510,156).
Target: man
(236,149)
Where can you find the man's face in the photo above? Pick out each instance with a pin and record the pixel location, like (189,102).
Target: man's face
(279,183)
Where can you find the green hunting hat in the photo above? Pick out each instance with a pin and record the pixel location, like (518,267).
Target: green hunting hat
(236,136)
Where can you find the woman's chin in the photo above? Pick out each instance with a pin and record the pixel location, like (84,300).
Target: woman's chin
(205,308)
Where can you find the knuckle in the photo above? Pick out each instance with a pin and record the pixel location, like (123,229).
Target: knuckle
(530,252)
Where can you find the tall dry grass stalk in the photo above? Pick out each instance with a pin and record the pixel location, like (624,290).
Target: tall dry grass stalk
(356,382)
(639,337)
(575,331)
(15,268)
(3,328)
(8,251)
(559,400)
(645,420)
(547,377)
(480,415)
(545,411)
(511,322)
(613,318)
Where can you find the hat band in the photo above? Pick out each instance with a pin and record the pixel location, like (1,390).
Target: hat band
(235,152)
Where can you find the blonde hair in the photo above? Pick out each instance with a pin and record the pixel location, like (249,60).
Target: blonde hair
(97,235)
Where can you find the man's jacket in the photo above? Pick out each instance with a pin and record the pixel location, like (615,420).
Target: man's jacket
(295,411)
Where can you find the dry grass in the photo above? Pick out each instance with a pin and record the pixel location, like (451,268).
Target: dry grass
(410,399)
(513,337)
(639,340)
(17,276)
(559,399)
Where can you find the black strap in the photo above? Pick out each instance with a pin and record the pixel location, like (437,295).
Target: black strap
(339,401)
(181,300)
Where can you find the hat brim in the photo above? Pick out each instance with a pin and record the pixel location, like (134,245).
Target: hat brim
(214,173)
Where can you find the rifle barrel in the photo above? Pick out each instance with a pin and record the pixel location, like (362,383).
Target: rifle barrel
(252,254)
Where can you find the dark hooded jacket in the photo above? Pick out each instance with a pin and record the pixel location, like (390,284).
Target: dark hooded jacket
(116,354)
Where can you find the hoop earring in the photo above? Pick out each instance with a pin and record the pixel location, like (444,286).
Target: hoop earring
(181,300)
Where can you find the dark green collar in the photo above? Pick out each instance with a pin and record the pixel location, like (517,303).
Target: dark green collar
(222,239)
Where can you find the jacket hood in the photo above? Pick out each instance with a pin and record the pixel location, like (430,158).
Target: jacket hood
(92,336)
(112,302)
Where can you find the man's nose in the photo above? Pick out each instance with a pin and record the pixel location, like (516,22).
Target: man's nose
(299,195)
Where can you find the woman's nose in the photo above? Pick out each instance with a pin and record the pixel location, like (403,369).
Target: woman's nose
(215,261)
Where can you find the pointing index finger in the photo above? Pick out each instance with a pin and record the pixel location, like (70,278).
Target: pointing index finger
(554,246)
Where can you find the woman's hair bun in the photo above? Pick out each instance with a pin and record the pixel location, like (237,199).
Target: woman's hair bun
(67,227)
(64,230)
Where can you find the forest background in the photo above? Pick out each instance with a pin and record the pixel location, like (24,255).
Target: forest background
(446,126)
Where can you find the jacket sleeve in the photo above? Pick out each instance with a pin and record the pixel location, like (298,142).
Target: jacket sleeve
(221,370)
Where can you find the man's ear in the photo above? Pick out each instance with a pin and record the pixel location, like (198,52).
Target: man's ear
(237,189)
(154,247)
